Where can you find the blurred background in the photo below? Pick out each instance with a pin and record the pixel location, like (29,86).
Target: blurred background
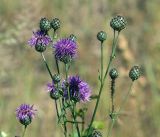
(23,76)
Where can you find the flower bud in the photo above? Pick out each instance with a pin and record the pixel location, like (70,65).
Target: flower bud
(101,36)
(40,48)
(44,25)
(56,78)
(118,23)
(73,37)
(54,94)
(113,73)
(96,133)
(55,23)
(26,121)
(135,73)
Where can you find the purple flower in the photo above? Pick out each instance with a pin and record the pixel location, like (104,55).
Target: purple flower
(53,91)
(65,50)
(50,87)
(25,113)
(39,37)
(78,89)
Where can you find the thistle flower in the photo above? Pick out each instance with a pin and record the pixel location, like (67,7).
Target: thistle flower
(39,38)
(54,94)
(65,50)
(78,89)
(25,113)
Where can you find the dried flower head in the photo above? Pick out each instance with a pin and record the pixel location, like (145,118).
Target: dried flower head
(25,113)
(78,89)
(65,50)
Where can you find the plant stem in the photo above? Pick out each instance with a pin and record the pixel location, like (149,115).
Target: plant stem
(66,72)
(24,131)
(69,121)
(111,127)
(101,62)
(115,39)
(122,105)
(44,60)
(49,71)
(76,124)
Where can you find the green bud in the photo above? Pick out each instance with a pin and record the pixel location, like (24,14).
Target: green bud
(113,73)
(135,73)
(44,24)
(55,23)
(118,23)
(101,36)
(40,48)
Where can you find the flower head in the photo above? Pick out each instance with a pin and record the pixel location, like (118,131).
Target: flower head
(54,92)
(78,89)
(39,38)
(50,87)
(25,113)
(65,50)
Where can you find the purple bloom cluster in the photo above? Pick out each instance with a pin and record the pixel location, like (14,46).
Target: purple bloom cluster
(78,89)
(25,113)
(39,37)
(65,50)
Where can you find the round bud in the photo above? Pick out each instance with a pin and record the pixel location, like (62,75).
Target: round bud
(135,73)
(40,48)
(73,37)
(113,73)
(54,94)
(96,133)
(118,23)
(101,36)
(26,121)
(56,78)
(55,23)
(44,25)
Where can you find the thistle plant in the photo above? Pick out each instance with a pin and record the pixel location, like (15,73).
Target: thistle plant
(25,113)
(67,90)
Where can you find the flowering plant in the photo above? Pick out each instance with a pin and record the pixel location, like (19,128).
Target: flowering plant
(67,92)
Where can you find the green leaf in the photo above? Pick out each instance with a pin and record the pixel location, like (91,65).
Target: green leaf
(98,125)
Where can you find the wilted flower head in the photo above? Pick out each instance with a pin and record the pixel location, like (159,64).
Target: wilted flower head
(65,50)
(25,113)
(78,89)
(39,38)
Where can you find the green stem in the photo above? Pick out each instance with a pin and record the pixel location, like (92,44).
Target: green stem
(122,105)
(76,124)
(101,62)
(44,60)
(111,127)
(69,121)
(24,131)
(49,71)
(126,98)
(115,39)
(66,72)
